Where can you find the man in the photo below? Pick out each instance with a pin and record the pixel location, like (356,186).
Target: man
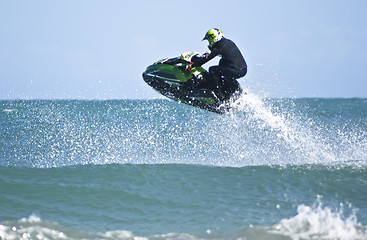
(232,65)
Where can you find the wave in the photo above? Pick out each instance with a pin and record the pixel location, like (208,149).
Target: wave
(188,199)
(311,222)
(156,169)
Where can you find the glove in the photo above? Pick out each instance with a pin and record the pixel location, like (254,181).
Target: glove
(189,67)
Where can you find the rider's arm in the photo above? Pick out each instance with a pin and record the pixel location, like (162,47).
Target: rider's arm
(204,59)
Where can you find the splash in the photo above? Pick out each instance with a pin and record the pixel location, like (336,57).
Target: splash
(320,222)
(262,132)
(306,138)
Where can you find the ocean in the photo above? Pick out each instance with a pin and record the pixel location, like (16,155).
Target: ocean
(159,169)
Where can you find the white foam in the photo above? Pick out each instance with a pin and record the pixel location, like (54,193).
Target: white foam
(33,227)
(320,223)
(8,110)
(31,219)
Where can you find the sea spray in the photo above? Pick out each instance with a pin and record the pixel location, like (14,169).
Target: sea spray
(263,131)
(307,138)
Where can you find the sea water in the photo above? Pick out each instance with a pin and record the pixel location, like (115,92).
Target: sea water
(158,169)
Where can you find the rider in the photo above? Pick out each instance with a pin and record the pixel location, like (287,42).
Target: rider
(231,66)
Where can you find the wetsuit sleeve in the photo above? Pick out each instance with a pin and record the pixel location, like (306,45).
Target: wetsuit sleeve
(202,60)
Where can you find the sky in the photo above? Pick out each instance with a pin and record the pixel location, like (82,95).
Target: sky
(89,49)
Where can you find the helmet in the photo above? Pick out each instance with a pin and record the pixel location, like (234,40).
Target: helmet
(213,35)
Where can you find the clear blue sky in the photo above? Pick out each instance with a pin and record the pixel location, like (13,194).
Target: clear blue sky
(88,49)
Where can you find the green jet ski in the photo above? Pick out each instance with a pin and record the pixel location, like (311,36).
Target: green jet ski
(173,79)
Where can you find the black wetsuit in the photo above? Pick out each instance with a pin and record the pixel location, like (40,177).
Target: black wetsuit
(232,66)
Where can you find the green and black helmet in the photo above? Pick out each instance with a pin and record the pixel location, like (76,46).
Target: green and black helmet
(213,35)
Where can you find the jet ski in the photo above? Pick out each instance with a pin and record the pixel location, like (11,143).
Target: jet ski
(174,79)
